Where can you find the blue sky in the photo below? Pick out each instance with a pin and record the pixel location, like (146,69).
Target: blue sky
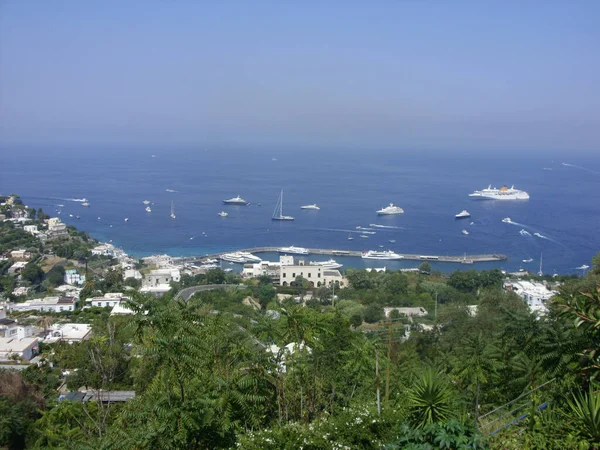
(403,74)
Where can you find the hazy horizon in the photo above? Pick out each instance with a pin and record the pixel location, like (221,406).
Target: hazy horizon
(410,76)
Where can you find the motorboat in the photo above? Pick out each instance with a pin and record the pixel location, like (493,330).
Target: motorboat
(172,210)
(507,220)
(463,214)
(86,204)
(389,255)
(148,209)
(293,250)
(528,260)
(390,210)
(364,236)
(236,201)
(210,261)
(329,264)
(583,267)
(313,206)
(126,219)
(504,193)
(146,202)
(223,214)
(350,238)
(465,232)
(209,266)
(278,211)
(392,241)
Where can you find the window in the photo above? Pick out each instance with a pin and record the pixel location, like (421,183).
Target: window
(284,274)
(319,275)
(293,275)
(61,308)
(309,274)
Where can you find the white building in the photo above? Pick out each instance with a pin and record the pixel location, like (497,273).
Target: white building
(49,304)
(69,332)
(12,329)
(158,281)
(104,250)
(56,228)
(132,273)
(32,229)
(409,312)
(73,277)
(316,276)
(109,300)
(535,294)
(25,348)
(23,290)
(255,270)
(20,254)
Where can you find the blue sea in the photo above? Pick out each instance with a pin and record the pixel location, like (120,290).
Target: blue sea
(349,186)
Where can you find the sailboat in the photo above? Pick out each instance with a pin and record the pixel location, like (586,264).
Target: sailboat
(350,236)
(172,210)
(278,212)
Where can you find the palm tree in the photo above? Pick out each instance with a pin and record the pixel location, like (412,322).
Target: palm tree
(430,399)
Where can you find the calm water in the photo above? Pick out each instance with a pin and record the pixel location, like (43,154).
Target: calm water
(349,188)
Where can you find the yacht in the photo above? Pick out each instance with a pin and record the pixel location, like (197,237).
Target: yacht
(504,193)
(330,264)
(146,202)
(294,250)
(392,241)
(528,260)
(314,206)
(235,201)
(234,258)
(463,214)
(223,214)
(172,211)
(372,254)
(278,211)
(390,210)
(507,220)
(148,209)
(86,204)
(465,232)
(126,219)
(249,256)
(583,267)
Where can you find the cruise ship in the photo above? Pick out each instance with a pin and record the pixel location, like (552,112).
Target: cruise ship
(504,193)
(390,210)
(313,206)
(330,264)
(372,254)
(235,201)
(293,250)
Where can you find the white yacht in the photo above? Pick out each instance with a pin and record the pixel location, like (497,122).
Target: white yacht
(148,209)
(528,260)
(390,255)
(330,264)
(390,210)
(507,220)
(235,201)
(583,267)
(504,193)
(463,214)
(223,214)
(126,219)
(249,256)
(313,206)
(210,261)
(278,211)
(146,202)
(234,258)
(465,232)
(86,204)
(293,250)
(392,241)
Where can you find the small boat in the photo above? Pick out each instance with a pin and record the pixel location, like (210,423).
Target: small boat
(583,267)
(172,210)
(99,217)
(86,204)
(393,241)
(381,246)
(146,202)
(364,236)
(223,214)
(463,214)
(70,215)
(77,217)
(507,220)
(228,269)
(472,223)
(528,260)
(350,238)
(126,219)
(148,209)
(465,232)
(170,190)
(278,212)
(313,206)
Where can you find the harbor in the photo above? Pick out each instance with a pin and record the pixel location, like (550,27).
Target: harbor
(460,259)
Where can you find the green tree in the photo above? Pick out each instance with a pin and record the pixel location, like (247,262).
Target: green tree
(425,267)
(33,273)
(373,313)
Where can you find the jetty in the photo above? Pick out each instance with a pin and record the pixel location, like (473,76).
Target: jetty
(457,259)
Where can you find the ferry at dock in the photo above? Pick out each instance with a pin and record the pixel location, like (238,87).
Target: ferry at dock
(387,255)
(293,250)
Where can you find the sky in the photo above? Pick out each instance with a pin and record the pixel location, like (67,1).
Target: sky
(403,74)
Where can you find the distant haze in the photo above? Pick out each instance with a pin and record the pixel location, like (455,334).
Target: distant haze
(431,75)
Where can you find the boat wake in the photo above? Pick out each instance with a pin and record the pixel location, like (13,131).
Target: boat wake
(78,200)
(582,168)
(170,190)
(374,225)
(524,232)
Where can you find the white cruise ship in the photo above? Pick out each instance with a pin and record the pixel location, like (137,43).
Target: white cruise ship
(330,264)
(504,193)
(235,201)
(372,254)
(390,210)
(293,250)
(313,206)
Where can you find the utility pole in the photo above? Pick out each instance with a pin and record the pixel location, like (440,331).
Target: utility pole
(377,381)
